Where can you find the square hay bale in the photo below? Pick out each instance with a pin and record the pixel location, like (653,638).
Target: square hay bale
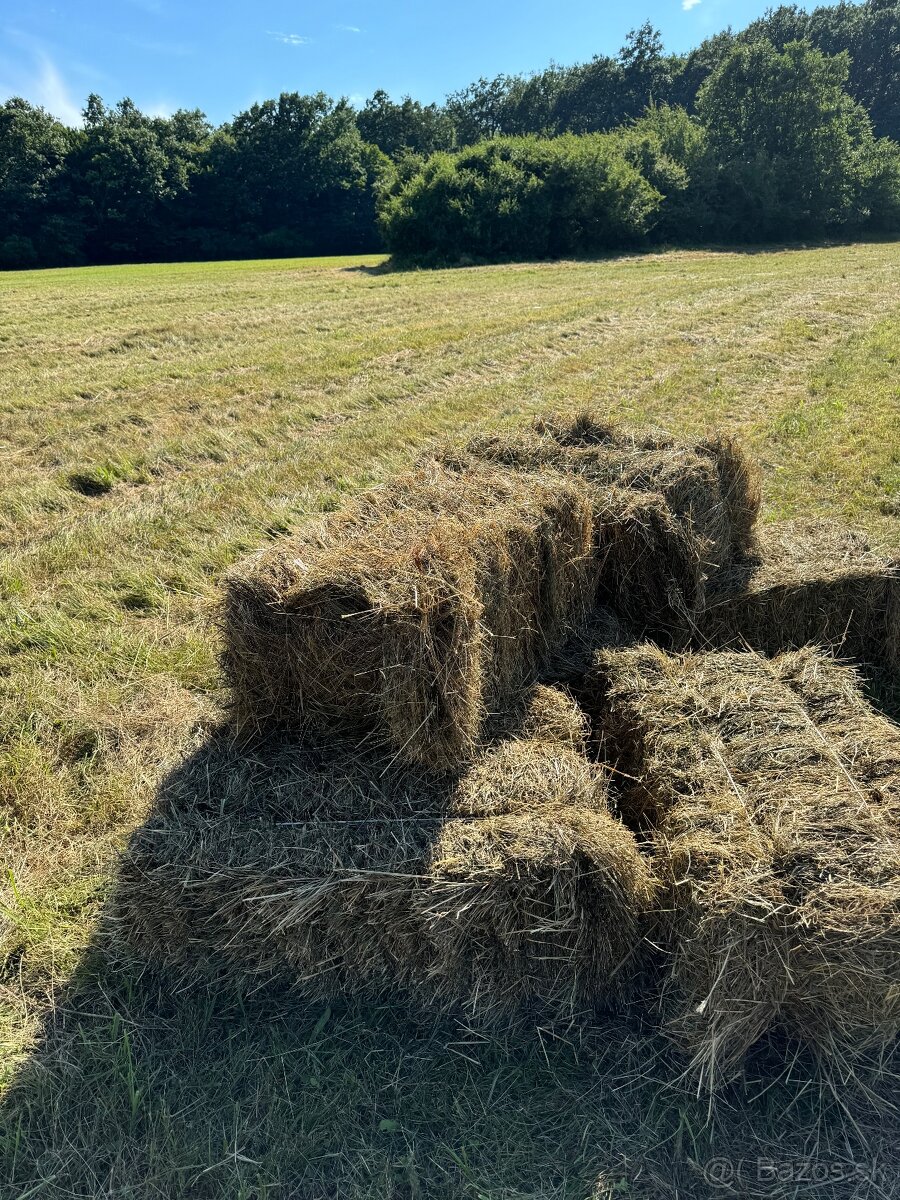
(416,612)
(812,581)
(711,487)
(422,608)
(783,872)
(510,883)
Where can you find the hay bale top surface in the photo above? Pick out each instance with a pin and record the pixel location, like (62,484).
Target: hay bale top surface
(811,582)
(534,760)
(712,480)
(396,536)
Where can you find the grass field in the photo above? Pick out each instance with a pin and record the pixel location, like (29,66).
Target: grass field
(157,421)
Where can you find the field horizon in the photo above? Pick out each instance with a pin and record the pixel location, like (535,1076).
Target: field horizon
(160,420)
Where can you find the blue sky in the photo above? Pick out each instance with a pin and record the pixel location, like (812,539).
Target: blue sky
(221,56)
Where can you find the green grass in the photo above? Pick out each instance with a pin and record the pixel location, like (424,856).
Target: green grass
(157,421)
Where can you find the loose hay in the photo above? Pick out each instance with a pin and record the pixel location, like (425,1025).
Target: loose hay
(811,582)
(784,875)
(512,883)
(416,612)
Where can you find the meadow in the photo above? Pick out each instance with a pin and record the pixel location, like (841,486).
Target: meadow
(158,421)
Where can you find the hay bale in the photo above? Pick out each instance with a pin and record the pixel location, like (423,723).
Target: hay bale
(783,874)
(651,569)
(659,716)
(422,608)
(812,581)
(513,882)
(414,613)
(537,906)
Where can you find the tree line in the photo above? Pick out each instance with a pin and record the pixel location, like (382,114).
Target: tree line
(788,128)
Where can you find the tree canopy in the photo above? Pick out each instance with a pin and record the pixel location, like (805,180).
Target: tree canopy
(787,128)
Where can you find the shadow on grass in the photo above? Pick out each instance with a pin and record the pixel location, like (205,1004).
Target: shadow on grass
(144,1084)
(141,1088)
(438,262)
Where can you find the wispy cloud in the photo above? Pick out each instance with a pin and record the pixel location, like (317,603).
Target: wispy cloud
(687,5)
(349,28)
(289,39)
(42,83)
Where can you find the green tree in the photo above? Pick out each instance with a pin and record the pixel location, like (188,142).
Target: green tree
(787,139)
(646,71)
(407,127)
(130,174)
(480,110)
(34,150)
(294,176)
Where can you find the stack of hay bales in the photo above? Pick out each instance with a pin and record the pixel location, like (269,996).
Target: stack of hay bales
(782,862)
(413,799)
(430,819)
(424,606)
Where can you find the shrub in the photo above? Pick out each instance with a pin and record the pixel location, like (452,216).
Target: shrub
(521,197)
(671,150)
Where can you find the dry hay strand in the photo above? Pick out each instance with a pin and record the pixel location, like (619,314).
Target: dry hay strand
(513,882)
(711,487)
(415,612)
(812,581)
(783,873)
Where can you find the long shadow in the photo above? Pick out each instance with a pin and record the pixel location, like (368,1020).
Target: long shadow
(426,263)
(153,1083)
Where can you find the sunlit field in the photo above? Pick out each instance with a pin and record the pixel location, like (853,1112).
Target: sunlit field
(158,421)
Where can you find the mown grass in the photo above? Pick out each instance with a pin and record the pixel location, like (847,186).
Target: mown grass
(157,421)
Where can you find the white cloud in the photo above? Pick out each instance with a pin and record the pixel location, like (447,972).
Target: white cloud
(44,85)
(687,5)
(349,28)
(289,39)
